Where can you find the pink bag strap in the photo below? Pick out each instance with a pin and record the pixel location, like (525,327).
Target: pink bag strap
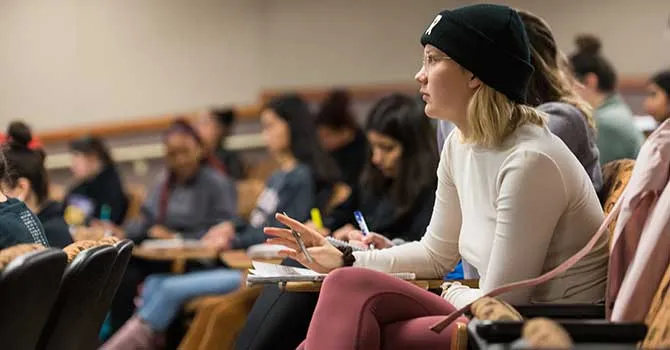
(442,324)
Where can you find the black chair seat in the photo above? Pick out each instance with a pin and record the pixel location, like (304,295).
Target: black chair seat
(28,289)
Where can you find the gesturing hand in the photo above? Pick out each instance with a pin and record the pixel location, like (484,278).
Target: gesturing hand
(325,257)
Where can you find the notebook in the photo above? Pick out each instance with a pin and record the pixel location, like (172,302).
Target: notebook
(264,273)
(264,251)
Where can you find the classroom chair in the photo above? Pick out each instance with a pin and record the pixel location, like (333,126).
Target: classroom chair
(29,282)
(124,250)
(84,280)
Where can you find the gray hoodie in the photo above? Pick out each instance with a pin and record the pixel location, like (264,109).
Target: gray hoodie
(568,123)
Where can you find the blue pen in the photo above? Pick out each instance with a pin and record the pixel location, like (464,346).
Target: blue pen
(362,225)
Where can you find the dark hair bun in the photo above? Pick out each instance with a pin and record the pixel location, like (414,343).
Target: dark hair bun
(20,133)
(588,44)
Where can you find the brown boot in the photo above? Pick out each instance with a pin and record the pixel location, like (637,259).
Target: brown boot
(134,335)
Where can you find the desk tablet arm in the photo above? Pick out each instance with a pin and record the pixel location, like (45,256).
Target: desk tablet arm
(563,311)
(490,332)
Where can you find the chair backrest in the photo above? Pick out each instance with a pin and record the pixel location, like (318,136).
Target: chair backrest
(247,196)
(28,288)
(658,318)
(97,315)
(83,281)
(616,175)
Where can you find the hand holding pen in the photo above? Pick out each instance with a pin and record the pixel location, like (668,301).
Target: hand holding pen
(300,239)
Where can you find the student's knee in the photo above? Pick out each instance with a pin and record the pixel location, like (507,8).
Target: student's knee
(349,278)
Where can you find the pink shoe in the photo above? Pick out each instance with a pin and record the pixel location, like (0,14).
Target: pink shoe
(134,335)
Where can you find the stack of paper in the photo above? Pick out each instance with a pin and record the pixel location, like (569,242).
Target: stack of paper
(264,273)
(264,251)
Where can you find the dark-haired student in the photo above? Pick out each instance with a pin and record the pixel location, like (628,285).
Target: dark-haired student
(657,103)
(189,198)
(17,223)
(214,127)
(396,197)
(304,167)
(341,135)
(27,181)
(98,182)
(618,138)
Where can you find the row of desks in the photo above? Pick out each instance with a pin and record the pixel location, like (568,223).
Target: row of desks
(238,259)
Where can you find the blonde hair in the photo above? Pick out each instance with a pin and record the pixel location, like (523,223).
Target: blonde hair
(491,117)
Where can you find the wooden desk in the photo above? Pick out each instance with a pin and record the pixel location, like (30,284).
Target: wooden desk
(178,256)
(238,259)
(316,286)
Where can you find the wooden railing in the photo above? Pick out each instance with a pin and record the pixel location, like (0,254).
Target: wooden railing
(251,112)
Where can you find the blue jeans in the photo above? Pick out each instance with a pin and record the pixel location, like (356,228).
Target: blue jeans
(163,294)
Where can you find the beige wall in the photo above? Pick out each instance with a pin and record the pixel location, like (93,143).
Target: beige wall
(67,62)
(64,62)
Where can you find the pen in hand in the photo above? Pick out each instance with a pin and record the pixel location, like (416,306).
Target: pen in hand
(363,226)
(301,244)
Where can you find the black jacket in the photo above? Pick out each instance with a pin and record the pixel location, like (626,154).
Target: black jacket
(105,188)
(351,158)
(381,216)
(57,231)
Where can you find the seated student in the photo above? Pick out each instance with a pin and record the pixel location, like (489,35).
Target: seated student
(187,200)
(657,103)
(190,197)
(511,199)
(290,136)
(551,91)
(618,138)
(98,185)
(27,180)
(341,136)
(214,127)
(396,195)
(17,223)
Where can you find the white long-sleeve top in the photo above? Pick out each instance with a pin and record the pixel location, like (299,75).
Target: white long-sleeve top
(513,213)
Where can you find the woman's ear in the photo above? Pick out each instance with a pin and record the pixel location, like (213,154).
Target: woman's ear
(591,81)
(474,82)
(22,190)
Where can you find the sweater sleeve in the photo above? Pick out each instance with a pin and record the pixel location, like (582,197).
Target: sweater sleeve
(531,198)
(296,199)
(437,252)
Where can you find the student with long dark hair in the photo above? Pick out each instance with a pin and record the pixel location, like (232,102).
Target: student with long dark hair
(506,185)
(618,137)
(396,196)
(214,127)
(341,135)
(657,103)
(290,137)
(27,181)
(98,192)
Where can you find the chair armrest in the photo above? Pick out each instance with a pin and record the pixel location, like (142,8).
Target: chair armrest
(579,331)
(563,311)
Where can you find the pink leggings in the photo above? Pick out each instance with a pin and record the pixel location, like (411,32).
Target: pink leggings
(364,309)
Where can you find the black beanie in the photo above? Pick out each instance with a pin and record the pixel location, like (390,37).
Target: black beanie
(662,79)
(488,40)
